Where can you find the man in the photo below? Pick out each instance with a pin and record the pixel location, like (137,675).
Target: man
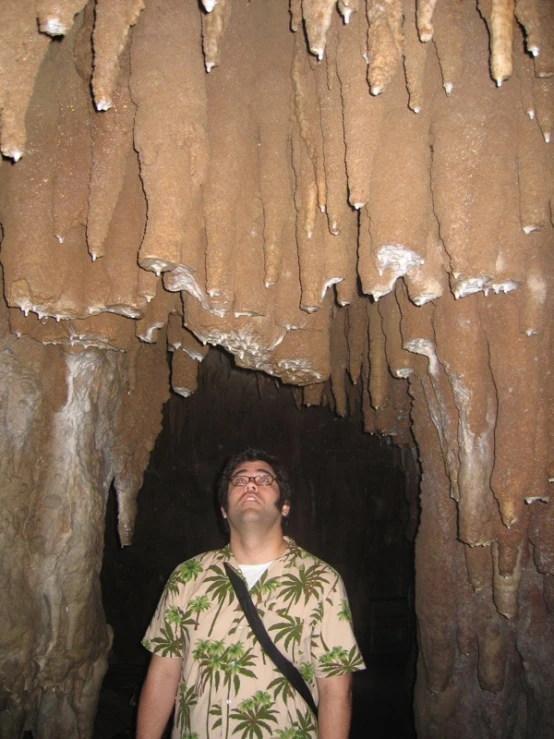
(207,662)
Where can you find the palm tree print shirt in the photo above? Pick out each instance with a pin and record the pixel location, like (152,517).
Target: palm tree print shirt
(229,688)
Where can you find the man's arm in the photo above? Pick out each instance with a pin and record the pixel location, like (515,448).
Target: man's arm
(335,706)
(157,697)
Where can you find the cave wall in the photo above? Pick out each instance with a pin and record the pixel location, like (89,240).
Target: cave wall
(367,191)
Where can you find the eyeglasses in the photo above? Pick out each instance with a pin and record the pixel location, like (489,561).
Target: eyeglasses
(262,480)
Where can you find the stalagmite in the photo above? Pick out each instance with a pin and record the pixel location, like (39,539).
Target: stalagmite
(113,20)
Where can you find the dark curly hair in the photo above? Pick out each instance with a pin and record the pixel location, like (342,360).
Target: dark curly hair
(253,455)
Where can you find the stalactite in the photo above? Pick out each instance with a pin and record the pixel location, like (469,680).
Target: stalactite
(112,144)
(157,314)
(527,14)
(399,360)
(347,7)
(465,359)
(170,130)
(232,136)
(499,15)
(313,394)
(111,29)
(384,42)
(357,337)
(214,26)
(317,17)
(55,17)
(464,218)
(516,365)
(184,374)
(523,64)
(534,178)
(360,112)
(328,90)
(18,69)
(418,336)
(379,378)
(536,18)
(271,109)
(436,595)
(339,357)
(180,338)
(415,55)
(543,90)
(399,175)
(449,39)
(312,276)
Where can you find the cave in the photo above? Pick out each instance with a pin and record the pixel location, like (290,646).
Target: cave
(333,211)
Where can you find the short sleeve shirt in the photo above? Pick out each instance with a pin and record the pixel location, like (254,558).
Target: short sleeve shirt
(228,686)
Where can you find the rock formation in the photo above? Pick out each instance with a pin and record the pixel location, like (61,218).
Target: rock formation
(366,189)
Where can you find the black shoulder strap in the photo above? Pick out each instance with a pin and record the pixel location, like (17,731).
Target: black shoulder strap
(257,626)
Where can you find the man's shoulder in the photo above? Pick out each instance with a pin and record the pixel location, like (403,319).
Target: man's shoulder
(192,568)
(302,558)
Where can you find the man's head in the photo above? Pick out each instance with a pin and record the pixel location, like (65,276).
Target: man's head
(267,462)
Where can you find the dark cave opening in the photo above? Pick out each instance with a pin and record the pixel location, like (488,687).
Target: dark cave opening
(354,505)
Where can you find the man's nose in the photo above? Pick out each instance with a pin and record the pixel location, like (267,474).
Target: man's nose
(251,483)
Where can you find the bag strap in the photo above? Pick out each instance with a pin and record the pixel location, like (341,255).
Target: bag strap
(257,626)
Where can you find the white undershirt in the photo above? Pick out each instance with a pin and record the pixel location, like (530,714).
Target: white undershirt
(252,573)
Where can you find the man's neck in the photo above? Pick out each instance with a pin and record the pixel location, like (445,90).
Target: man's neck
(253,548)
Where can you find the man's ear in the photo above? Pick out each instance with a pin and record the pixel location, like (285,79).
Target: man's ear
(223,513)
(285,510)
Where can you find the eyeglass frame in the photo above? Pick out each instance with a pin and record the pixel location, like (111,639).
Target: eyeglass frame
(253,477)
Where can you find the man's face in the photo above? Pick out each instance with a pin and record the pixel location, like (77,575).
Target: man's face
(253,503)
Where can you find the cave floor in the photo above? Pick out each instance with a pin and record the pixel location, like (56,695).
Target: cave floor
(382,704)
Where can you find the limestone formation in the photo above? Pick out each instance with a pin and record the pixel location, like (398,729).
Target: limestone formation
(357,194)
